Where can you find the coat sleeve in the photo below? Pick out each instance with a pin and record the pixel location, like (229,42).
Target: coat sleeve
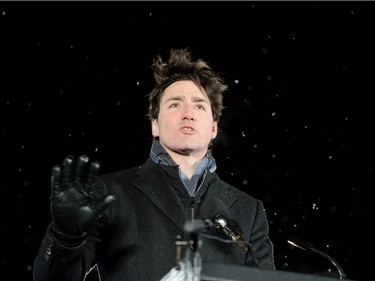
(262,247)
(57,262)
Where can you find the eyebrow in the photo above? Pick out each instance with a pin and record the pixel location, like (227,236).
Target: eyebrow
(180,98)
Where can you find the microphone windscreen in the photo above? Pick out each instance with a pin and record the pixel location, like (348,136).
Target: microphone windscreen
(213,207)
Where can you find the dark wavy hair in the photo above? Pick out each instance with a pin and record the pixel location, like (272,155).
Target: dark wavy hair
(180,66)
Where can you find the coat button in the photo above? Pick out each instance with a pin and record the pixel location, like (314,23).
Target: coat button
(47,256)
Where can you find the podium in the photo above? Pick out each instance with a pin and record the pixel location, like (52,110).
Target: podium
(227,272)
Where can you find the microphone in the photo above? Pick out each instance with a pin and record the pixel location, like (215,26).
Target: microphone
(296,242)
(217,212)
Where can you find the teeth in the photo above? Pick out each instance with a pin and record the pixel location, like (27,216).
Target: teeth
(187,129)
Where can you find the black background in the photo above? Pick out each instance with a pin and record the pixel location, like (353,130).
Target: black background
(297,131)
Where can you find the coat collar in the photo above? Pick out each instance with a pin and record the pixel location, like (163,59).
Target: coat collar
(158,182)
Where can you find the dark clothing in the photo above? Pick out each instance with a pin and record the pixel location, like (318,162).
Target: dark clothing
(135,239)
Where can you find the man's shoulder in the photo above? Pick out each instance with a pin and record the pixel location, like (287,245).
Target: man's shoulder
(124,173)
(239,193)
(128,172)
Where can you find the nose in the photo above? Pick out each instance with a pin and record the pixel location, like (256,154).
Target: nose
(188,117)
(188,113)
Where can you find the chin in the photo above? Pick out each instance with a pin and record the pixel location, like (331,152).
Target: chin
(189,149)
(185,150)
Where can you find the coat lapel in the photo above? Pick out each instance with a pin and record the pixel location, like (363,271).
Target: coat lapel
(158,187)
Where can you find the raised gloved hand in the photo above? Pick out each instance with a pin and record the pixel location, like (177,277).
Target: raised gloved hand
(75,204)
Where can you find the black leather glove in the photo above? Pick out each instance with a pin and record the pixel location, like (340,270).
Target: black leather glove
(75,206)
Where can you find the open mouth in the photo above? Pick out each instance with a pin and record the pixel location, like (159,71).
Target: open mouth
(187,129)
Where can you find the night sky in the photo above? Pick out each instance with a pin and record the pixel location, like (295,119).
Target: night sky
(297,131)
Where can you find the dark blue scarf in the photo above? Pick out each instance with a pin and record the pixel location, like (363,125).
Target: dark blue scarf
(159,155)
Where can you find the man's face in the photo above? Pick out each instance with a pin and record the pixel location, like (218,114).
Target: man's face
(185,123)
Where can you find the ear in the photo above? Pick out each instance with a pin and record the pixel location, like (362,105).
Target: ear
(154,128)
(214,130)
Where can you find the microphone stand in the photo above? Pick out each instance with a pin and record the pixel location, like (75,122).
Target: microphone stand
(310,248)
(197,259)
(195,228)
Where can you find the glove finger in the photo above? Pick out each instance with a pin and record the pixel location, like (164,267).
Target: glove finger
(56,187)
(104,204)
(67,172)
(92,175)
(80,171)
(88,216)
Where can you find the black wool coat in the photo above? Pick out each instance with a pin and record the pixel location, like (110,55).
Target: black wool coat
(135,239)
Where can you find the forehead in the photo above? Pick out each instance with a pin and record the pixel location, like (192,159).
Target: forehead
(184,89)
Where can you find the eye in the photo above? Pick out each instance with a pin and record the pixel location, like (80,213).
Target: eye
(200,107)
(173,105)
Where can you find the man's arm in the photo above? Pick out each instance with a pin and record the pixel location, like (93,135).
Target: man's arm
(76,205)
